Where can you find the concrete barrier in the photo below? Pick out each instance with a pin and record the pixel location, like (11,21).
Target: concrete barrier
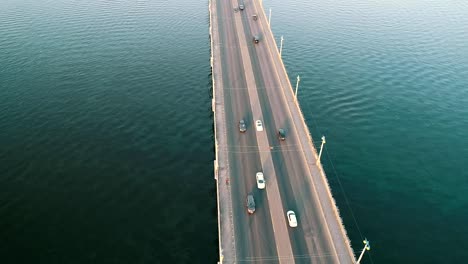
(227,248)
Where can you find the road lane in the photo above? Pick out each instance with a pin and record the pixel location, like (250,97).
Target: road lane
(227,247)
(243,165)
(274,198)
(291,170)
(228,52)
(324,216)
(300,248)
(307,207)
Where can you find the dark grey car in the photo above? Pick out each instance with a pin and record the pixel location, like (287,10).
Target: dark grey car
(250,204)
(281,134)
(256,39)
(242,126)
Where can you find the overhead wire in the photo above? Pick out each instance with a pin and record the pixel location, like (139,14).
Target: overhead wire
(338,180)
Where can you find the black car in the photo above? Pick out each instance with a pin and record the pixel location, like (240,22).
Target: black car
(250,204)
(242,127)
(256,39)
(281,134)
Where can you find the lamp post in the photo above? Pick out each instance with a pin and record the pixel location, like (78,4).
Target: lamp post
(366,247)
(321,148)
(281,46)
(269,18)
(297,83)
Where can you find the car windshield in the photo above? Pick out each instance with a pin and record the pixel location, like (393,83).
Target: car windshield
(260,181)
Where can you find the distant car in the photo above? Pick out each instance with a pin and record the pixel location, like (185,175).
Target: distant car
(241,6)
(260,180)
(281,134)
(259,125)
(242,127)
(250,204)
(292,218)
(254,17)
(256,39)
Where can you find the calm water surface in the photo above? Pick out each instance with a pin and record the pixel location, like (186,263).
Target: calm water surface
(387,83)
(106,133)
(106,140)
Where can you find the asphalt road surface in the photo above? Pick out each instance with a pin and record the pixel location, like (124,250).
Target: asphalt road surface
(254,88)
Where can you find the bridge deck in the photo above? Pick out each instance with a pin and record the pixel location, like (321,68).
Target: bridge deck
(250,82)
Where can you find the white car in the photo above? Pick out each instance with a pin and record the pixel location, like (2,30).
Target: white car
(292,218)
(259,125)
(260,180)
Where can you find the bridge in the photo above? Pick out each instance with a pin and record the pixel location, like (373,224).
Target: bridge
(250,83)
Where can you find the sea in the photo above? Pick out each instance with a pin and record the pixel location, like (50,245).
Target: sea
(107,140)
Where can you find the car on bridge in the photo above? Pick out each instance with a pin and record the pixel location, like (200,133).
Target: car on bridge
(241,6)
(281,134)
(259,125)
(242,126)
(292,218)
(260,180)
(256,39)
(250,203)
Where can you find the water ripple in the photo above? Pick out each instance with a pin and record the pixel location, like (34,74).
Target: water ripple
(386,82)
(104,132)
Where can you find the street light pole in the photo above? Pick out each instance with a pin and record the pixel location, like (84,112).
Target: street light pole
(366,246)
(281,46)
(298,79)
(269,18)
(221,257)
(321,148)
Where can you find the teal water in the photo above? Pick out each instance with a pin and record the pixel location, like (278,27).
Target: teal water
(106,139)
(387,83)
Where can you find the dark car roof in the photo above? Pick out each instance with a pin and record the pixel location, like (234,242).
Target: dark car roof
(250,201)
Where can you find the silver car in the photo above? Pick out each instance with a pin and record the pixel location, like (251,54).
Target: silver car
(260,180)
(259,125)
(292,218)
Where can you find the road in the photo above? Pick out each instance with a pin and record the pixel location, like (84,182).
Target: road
(255,86)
